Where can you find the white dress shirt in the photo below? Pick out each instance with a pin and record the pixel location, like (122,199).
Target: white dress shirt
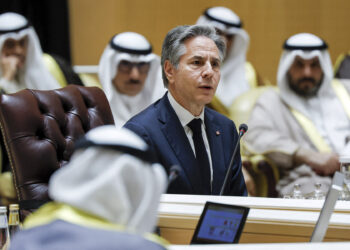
(185,117)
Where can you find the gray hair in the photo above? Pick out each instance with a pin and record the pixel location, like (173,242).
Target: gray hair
(173,46)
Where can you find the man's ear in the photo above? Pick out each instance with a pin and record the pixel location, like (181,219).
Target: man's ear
(169,71)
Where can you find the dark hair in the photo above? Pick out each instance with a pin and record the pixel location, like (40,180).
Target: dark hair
(173,46)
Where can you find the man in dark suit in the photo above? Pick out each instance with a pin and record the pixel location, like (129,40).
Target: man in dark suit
(179,128)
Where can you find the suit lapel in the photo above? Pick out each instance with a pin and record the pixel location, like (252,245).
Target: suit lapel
(215,138)
(176,136)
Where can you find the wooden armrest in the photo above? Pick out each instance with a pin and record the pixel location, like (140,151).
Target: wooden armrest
(264,173)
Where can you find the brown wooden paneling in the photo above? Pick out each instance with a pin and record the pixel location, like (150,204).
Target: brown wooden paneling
(269,23)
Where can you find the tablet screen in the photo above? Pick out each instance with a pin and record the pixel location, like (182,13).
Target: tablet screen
(220,223)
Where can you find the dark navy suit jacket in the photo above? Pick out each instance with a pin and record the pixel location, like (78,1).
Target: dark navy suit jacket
(160,127)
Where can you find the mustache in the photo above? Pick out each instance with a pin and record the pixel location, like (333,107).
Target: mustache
(307,79)
(133,81)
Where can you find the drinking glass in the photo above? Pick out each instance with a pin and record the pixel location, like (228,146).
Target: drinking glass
(345,169)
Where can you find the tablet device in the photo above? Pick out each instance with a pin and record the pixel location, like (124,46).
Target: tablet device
(220,224)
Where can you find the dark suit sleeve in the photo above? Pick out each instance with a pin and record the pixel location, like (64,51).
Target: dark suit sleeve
(140,131)
(237,184)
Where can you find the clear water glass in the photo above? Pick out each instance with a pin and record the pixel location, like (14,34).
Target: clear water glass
(345,169)
(4,230)
(297,192)
(318,193)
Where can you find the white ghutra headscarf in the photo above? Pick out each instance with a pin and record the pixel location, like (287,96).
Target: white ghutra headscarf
(324,109)
(34,74)
(233,81)
(112,175)
(131,47)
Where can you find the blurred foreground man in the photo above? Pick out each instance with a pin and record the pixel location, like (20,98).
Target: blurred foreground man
(130,75)
(179,128)
(237,74)
(21,58)
(305,125)
(105,198)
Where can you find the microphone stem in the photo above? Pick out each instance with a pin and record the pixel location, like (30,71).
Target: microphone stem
(229,171)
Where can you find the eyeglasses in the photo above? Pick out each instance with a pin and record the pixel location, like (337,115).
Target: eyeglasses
(126,67)
(12,43)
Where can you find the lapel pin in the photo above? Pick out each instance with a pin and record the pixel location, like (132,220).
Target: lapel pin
(217,132)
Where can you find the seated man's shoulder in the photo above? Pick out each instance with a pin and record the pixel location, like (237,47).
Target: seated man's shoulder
(269,96)
(72,236)
(219,118)
(144,122)
(146,115)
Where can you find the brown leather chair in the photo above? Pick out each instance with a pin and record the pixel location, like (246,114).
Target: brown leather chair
(39,130)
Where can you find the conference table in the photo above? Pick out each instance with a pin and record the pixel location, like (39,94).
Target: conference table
(276,246)
(270,220)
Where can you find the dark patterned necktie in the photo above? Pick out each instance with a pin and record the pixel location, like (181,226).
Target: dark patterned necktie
(201,154)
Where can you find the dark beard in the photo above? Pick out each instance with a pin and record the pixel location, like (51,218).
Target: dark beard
(305,93)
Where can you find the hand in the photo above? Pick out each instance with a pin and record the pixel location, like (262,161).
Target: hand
(322,163)
(9,66)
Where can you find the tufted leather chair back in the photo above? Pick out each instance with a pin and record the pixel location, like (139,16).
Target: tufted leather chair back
(39,130)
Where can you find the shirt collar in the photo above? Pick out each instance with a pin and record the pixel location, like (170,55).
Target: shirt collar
(183,114)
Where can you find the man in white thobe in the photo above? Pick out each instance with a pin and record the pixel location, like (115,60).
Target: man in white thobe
(130,75)
(21,57)
(304,126)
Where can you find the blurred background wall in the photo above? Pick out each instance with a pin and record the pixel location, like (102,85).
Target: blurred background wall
(268,22)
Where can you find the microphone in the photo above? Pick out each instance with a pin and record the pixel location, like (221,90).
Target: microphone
(243,128)
(173,173)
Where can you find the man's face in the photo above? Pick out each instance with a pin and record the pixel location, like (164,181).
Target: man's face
(194,82)
(130,78)
(305,76)
(17,49)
